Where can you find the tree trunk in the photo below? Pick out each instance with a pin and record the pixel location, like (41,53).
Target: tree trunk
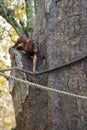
(61,32)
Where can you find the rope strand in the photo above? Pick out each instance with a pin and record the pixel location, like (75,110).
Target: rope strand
(48,70)
(43,87)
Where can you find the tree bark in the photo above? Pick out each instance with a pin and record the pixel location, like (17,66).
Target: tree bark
(61,32)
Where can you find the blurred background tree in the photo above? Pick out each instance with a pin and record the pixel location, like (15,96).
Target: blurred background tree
(17,17)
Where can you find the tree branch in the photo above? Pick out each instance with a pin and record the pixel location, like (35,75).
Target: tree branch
(8,15)
(30,12)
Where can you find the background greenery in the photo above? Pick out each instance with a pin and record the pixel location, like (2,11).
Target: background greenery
(17,17)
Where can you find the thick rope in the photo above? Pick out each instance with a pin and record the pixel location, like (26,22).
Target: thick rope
(43,87)
(48,70)
(16,68)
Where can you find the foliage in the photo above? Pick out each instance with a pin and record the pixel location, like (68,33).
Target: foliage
(19,14)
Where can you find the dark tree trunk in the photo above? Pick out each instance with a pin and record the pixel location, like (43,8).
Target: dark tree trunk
(61,32)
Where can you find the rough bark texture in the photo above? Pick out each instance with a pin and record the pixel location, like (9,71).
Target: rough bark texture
(61,32)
